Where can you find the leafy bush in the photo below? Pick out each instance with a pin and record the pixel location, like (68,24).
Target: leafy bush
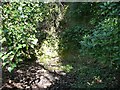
(71,37)
(104,42)
(19,33)
(25,26)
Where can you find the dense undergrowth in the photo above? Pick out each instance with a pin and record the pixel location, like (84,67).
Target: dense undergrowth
(67,32)
(93,34)
(24,27)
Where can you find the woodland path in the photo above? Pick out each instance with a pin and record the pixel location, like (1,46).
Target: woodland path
(86,73)
(34,76)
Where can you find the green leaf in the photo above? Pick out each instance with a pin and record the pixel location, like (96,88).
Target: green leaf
(34,41)
(10,69)
(1,31)
(3,40)
(1,54)
(4,63)
(13,65)
(19,46)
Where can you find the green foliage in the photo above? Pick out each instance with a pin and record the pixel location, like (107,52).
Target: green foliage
(17,32)
(102,40)
(69,39)
(23,28)
(109,9)
(27,26)
(67,68)
(103,43)
(49,48)
(80,9)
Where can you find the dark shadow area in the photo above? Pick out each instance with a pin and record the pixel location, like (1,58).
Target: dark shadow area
(33,76)
(86,71)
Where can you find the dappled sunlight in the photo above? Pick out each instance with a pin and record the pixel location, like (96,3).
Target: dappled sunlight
(32,76)
(48,53)
(59,46)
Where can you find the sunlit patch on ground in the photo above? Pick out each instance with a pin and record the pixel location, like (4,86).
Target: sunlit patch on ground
(30,76)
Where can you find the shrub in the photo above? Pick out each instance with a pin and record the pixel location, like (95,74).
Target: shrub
(104,42)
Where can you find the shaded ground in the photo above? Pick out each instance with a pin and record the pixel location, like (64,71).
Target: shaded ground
(89,73)
(85,73)
(32,75)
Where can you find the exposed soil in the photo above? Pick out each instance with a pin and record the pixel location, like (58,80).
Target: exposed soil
(86,73)
(34,76)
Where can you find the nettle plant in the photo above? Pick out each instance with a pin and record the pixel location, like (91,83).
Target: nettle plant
(19,33)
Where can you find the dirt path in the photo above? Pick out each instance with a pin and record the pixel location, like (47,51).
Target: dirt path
(85,73)
(33,76)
